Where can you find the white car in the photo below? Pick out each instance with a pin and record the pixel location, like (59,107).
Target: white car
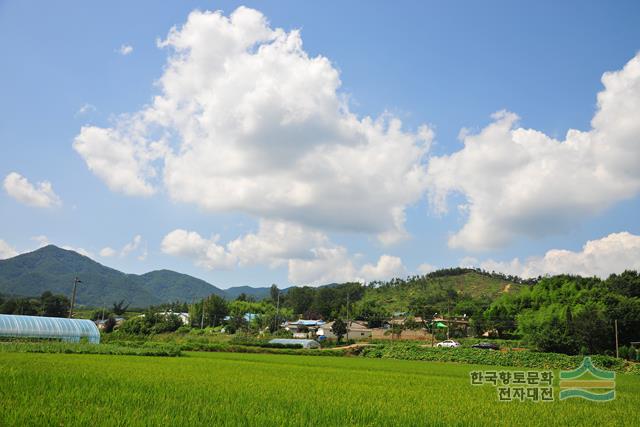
(448,344)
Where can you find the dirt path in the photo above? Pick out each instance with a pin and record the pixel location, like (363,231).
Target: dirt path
(347,347)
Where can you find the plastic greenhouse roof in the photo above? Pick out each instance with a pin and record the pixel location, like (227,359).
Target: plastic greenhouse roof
(48,327)
(308,322)
(304,343)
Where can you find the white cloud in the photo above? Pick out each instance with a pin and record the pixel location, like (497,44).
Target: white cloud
(469,262)
(329,265)
(143,255)
(120,157)
(107,252)
(275,243)
(311,258)
(246,121)
(41,240)
(130,247)
(387,267)
(6,250)
(125,50)
(521,182)
(426,268)
(85,109)
(611,254)
(41,196)
(205,252)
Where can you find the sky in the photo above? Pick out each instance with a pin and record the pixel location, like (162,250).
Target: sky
(250,143)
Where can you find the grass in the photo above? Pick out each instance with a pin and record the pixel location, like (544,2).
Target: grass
(268,390)
(130,349)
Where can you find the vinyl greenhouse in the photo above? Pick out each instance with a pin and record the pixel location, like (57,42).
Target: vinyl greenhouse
(72,330)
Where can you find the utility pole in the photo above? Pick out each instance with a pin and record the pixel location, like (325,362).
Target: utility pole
(347,315)
(448,318)
(73,296)
(616,326)
(277,326)
(202,319)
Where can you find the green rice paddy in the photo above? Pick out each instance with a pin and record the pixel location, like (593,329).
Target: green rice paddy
(269,390)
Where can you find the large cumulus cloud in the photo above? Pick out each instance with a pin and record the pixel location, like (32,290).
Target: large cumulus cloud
(246,121)
(521,182)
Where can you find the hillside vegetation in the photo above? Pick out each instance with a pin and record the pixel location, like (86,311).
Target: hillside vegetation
(399,295)
(53,269)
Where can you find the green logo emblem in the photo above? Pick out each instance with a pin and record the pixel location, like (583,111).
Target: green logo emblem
(588,382)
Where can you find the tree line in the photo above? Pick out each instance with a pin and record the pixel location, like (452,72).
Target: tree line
(571,314)
(47,304)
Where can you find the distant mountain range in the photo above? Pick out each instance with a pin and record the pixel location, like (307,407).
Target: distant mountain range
(53,269)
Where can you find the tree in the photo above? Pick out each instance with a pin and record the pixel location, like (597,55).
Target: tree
(215,310)
(372,312)
(411,324)
(135,326)
(339,329)
(274,293)
(501,316)
(109,325)
(301,299)
(626,284)
(26,306)
(326,301)
(54,305)
(119,308)
(395,330)
(9,306)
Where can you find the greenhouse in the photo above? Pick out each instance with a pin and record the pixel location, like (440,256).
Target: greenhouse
(301,343)
(72,330)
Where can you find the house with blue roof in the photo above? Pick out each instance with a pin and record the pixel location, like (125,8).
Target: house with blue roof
(303,328)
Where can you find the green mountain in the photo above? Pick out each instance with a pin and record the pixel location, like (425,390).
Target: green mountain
(442,285)
(53,269)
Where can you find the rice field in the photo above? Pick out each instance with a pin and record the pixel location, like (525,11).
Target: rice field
(231,389)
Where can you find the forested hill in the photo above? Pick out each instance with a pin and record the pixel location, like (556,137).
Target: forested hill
(53,269)
(457,286)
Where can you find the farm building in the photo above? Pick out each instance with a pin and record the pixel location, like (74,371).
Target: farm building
(355,330)
(301,343)
(184,317)
(72,330)
(303,328)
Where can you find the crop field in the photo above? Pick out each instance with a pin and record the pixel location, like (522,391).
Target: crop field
(267,390)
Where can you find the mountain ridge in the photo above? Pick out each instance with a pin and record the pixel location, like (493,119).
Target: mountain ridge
(51,268)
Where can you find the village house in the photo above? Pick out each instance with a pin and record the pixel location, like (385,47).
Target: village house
(101,324)
(184,317)
(303,328)
(355,330)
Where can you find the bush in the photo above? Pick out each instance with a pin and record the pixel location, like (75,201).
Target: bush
(523,359)
(135,326)
(184,329)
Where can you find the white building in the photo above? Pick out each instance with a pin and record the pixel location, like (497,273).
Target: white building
(184,317)
(303,328)
(355,331)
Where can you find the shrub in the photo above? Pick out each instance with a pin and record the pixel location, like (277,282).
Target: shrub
(523,359)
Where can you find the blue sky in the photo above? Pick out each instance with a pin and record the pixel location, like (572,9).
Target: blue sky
(446,65)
